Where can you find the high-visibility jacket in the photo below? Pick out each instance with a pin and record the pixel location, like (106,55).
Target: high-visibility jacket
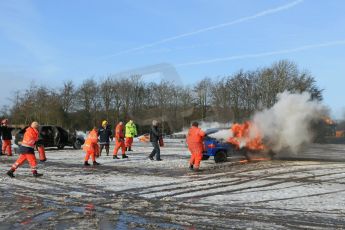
(195,140)
(91,142)
(195,135)
(131,129)
(30,137)
(119,133)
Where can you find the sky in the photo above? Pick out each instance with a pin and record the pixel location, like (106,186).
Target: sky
(49,42)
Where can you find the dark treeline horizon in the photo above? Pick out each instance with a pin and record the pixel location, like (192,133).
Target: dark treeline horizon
(234,97)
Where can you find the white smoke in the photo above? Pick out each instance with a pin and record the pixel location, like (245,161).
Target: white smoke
(286,125)
(204,125)
(223,134)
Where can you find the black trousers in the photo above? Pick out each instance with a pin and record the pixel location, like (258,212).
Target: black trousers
(106,148)
(156,150)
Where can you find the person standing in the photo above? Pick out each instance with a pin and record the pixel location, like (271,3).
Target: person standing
(6,134)
(119,141)
(131,132)
(104,133)
(155,136)
(195,142)
(26,150)
(91,147)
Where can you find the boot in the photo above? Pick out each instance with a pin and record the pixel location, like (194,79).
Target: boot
(124,156)
(10,173)
(191,167)
(36,174)
(96,163)
(130,149)
(115,157)
(151,158)
(86,163)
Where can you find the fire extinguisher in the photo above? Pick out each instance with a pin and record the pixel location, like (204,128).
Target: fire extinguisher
(161,142)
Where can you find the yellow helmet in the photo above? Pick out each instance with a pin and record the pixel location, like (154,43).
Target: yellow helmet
(104,123)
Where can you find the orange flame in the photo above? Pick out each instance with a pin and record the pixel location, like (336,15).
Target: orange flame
(246,135)
(144,138)
(328,121)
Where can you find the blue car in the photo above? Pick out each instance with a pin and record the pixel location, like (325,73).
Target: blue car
(221,149)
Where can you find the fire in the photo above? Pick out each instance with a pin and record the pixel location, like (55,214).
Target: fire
(328,121)
(253,160)
(246,135)
(144,138)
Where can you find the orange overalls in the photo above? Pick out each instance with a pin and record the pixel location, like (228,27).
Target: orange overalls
(195,145)
(42,153)
(91,146)
(26,150)
(119,140)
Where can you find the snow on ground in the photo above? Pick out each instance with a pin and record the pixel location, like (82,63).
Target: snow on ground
(295,191)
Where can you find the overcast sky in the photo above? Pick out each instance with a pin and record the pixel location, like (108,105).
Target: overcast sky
(49,42)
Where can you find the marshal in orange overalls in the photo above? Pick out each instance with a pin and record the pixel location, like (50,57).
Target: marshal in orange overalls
(26,151)
(91,147)
(195,144)
(119,141)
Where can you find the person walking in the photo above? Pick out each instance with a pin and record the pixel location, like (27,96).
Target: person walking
(131,132)
(26,150)
(104,133)
(155,136)
(119,141)
(195,138)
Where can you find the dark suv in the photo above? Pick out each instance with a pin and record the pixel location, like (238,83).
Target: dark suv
(54,136)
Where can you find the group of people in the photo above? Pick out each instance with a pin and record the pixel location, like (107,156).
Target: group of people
(124,140)
(100,138)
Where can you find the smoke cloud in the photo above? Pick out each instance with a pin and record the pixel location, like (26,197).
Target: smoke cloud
(287,124)
(210,125)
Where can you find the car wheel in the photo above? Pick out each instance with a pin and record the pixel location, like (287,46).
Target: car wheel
(220,156)
(205,157)
(77,144)
(271,154)
(60,146)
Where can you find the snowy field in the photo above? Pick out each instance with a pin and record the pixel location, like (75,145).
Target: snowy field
(300,191)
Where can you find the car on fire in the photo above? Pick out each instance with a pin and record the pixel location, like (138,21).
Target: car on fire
(219,149)
(54,136)
(222,149)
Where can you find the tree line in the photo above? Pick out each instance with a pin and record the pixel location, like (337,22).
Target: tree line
(229,98)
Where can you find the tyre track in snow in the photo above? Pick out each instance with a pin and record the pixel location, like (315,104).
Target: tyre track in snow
(217,185)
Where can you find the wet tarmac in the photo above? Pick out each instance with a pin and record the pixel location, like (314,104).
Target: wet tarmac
(294,191)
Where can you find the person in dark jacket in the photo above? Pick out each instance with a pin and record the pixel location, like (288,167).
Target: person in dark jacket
(6,134)
(155,135)
(105,134)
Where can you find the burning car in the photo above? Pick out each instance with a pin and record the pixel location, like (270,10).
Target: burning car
(218,148)
(221,149)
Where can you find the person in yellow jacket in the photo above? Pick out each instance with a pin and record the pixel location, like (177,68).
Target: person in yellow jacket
(131,132)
